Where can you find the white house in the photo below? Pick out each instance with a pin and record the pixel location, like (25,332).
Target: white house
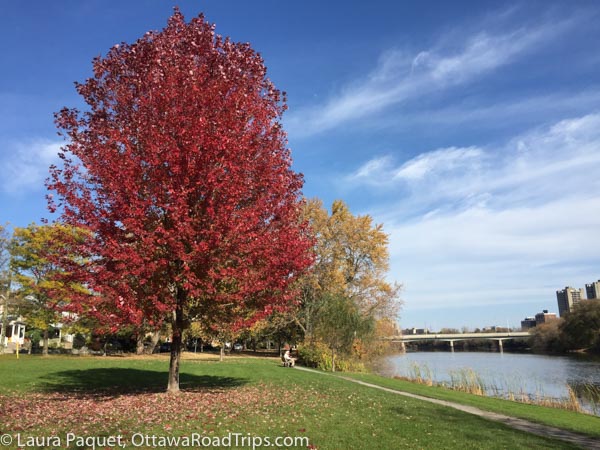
(15,333)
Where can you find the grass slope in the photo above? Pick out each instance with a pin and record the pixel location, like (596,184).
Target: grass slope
(98,396)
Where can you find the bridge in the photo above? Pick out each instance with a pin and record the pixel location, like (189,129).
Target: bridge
(451,338)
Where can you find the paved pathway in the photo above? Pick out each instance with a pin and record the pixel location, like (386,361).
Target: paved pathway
(514,422)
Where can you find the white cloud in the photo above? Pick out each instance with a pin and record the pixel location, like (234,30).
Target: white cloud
(443,160)
(479,226)
(372,167)
(528,166)
(380,171)
(400,77)
(485,256)
(25,164)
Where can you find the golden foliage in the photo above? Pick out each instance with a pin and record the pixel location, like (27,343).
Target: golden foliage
(35,251)
(352,259)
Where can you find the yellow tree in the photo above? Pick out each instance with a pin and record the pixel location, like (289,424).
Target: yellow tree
(352,260)
(280,327)
(35,252)
(197,332)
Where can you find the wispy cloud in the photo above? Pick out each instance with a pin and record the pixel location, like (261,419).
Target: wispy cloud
(484,113)
(526,167)
(380,171)
(25,164)
(374,170)
(401,77)
(524,215)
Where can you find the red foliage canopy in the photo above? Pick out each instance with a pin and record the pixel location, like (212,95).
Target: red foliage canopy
(180,171)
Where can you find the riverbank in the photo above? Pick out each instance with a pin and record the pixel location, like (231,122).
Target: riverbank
(571,381)
(578,438)
(250,396)
(568,420)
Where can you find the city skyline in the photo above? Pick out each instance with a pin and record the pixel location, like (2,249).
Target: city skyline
(468,135)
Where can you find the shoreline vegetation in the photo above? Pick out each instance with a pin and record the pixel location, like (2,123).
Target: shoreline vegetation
(581,397)
(469,381)
(244,395)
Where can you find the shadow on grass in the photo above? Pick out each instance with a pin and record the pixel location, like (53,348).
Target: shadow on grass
(118,381)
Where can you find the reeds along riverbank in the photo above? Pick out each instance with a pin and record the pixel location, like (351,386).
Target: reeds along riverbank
(581,397)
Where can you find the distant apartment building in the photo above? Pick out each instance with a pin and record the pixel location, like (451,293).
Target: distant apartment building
(527,323)
(539,319)
(593,289)
(544,317)
(408,331)
(567,298)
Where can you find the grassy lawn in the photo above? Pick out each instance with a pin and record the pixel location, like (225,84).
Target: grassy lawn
(568,420)
(96,396)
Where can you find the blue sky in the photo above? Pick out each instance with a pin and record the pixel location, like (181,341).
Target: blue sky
(471,130)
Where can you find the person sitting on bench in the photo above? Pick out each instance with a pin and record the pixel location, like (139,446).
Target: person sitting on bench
(288,361)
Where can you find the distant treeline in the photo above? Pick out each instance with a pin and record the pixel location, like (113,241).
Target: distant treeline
(512,345)
(578,330)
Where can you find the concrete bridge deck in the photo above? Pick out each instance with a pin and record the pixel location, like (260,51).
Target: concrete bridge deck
(458,336)
(451,338)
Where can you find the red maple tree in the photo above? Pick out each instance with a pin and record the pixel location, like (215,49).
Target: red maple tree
(179,170)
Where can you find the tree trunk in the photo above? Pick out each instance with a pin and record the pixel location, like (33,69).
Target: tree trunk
(3,327)
(332,360)
(178,326)
(5,313)
(308,331)
(45,349)
(153,342)
(139,347)
(173,386)
(222,353)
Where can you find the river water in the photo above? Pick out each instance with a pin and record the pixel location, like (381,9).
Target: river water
(505,373)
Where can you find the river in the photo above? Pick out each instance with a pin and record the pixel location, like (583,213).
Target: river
(503,373)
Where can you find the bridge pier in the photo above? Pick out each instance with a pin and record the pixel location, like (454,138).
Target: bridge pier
(451,345)
(500,345)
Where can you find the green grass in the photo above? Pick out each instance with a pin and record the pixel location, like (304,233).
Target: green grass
(568,420)
(105,396)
